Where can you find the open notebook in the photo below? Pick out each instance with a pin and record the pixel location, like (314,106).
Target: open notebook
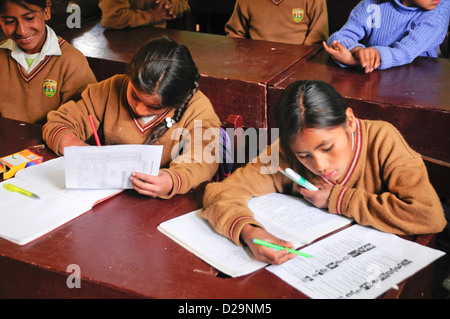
(287,217)
(23,219)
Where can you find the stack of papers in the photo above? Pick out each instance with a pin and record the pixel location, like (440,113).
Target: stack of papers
(356,263)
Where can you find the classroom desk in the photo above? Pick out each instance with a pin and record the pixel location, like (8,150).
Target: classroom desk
(121,254)
(415,98)
(234,72)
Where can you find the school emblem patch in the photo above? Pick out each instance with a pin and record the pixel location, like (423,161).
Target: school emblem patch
(49,87)
(297,15)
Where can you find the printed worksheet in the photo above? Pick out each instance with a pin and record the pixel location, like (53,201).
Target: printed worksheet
(109,167)
(294,219)
(358,262)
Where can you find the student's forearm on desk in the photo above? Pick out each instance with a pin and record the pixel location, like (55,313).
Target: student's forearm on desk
(69,139)
(264,254)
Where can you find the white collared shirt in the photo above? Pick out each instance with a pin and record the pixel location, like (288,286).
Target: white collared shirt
(50,47)
(147,119)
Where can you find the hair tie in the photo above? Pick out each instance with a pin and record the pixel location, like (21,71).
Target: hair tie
(169,122)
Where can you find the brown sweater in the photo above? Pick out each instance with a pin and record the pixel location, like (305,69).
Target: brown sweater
(107,103)
(23,96)
(118,14)
(386,186)
(291,21)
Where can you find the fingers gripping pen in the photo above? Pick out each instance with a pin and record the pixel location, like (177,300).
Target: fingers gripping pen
(298,179)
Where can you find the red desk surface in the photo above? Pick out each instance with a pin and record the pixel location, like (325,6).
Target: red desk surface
(121,254)
(234,72)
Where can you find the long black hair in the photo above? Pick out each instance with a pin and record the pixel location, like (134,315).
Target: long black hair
(166,68)
(310,104)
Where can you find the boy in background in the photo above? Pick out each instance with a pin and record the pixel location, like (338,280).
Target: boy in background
(383,34)
(287,21)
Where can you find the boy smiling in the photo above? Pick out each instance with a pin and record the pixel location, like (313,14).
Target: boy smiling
(40,71)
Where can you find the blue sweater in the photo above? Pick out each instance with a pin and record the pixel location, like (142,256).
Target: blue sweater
(398,32)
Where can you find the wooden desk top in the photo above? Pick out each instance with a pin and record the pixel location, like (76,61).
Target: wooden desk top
(234,72)
(121,254)
(215,55)
(119,250)
(425,83)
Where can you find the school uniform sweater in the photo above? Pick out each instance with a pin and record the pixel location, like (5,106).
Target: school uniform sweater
(385,186)
(117,124)
(289,21)
(399,33)
(118,14)
(53,81)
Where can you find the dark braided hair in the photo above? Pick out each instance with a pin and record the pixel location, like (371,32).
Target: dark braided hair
(166,68)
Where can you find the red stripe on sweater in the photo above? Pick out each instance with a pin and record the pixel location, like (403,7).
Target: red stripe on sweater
(32,75)
(233,225)
(339,200)
(356,155)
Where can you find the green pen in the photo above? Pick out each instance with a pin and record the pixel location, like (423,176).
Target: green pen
(270,245)
(14,188)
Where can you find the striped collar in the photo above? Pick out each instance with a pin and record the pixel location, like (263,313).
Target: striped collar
(141,127)
(355,158)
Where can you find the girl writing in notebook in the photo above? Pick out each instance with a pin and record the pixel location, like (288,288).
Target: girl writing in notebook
(156,102)
(363,170)
(39,70)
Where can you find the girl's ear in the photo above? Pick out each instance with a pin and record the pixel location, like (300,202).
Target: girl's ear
(47,10)
(351,120)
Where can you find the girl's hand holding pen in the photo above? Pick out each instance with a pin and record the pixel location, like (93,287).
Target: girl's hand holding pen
(150,185)
(265,254)
(317,198)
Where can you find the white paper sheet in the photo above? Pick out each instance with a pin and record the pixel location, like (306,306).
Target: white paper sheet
(23,219)
(357,262)
(109,166)
(196,235)
(294,219)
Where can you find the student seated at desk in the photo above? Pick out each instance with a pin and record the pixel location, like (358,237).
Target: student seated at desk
(39,70)
(364,170)
(384,34)
(157,102)
(119,14)
(287,21)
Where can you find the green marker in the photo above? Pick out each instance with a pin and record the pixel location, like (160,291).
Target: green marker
(14,188)
(270,245)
